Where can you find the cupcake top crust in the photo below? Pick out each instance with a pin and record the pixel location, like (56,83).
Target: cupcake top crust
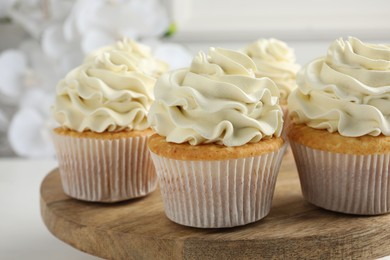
(217,100)
(274,59)
(347,91)
(111,91)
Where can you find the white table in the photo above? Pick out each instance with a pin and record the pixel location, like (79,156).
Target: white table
(22,232)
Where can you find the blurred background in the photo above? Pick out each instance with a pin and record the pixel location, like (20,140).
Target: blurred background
(41,40)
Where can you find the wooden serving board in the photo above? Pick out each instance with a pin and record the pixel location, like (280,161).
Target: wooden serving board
(139,229)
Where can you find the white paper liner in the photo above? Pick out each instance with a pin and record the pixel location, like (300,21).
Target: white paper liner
(216,194)
(286,122)
(354,184)
(105,170)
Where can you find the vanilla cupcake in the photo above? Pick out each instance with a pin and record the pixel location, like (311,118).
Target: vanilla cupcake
(218,149)
(102,108)
(340,134)
(275,60)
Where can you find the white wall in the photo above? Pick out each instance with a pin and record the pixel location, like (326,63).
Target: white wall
(308,26)
(240,20)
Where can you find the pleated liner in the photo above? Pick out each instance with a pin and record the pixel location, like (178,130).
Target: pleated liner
(354,184)
(105,170)
(216,194)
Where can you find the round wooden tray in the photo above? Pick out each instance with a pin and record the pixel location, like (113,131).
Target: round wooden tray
(139,229)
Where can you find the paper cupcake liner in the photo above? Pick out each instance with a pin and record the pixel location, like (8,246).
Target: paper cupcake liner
(105,170)
(286,122)
(354,184)
(216,194)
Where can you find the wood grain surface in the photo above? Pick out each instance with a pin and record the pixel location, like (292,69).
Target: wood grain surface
(139,229)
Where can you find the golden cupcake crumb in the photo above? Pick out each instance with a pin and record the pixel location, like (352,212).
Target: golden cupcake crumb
(323,140)
(158,145)
(103,135)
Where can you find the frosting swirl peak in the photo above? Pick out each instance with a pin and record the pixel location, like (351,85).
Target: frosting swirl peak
(112,91)
(347,91)
(217,100)
(275,60)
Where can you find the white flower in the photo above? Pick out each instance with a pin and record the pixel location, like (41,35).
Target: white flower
(13,66)
(36,15)
(26,68)
(29,131)
(43,71)
(132,19)
(32,89)
(176,55)
(5,148)
(95,23)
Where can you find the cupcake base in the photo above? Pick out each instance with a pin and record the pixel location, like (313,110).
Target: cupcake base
(338,181)
(216,193)
(107,167)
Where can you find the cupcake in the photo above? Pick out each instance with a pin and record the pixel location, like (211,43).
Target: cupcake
(340,131)
(101,107)
(217,148)
(275,60)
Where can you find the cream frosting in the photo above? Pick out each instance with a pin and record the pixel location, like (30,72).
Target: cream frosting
(217,100)
(112,91)
(274,59)
(136,56)
(347,91)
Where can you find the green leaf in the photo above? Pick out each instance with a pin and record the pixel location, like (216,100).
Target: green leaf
(171,30)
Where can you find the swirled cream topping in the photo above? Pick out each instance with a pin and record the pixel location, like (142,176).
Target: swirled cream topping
(136,56)
(217,100)
(347,91)
(112,91)
(274,59)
